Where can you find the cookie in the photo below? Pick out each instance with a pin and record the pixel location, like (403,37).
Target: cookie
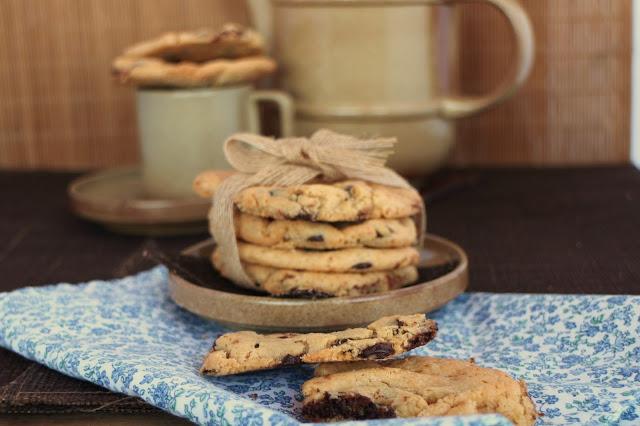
(344,260)
(230,42)
(206,183)
(345,201)
(289,234)
(309,284)
(414,387)
(244,351)
(152,72)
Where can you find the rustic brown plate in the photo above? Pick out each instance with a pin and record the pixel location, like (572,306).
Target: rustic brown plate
(116,199)
(238,308)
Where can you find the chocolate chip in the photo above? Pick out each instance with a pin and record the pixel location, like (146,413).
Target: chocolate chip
(342,225)
(362,265)
(257,345)
(291,360)
(339,342)
(401,323)
(346,406)
(377,351)
(287,335)
(350,190)
(316,238)
(173,59)
(303,216)
(379,234)
(421,339)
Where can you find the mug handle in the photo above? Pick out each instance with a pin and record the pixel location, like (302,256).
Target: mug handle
(285,105)
(457,107)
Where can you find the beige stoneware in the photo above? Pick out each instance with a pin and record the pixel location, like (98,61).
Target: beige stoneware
(374,68)
(182,131)
(241,309)
(117,199)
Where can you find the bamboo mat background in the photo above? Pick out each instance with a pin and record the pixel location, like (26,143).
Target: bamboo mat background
(60,109)
(575,107)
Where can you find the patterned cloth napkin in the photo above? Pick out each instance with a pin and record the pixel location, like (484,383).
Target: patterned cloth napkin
(580,355)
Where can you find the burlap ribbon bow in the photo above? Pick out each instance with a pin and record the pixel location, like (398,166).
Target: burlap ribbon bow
(326,156)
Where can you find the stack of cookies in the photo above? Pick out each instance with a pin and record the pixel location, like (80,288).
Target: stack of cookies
(316,240)
(230,55)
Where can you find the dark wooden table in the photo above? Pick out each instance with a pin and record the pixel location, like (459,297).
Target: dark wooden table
(540,231)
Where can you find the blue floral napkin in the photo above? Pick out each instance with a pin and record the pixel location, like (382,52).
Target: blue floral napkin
(580,355)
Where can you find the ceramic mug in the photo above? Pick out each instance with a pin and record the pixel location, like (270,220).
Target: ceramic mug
(181,131)
(370,68)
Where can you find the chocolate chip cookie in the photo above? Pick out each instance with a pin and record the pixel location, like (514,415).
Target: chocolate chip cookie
(153,72)
(413,387)
(207,182)
(289,234)
(348,201)
(244,351)
(344,260)
(230,42)
(309,284)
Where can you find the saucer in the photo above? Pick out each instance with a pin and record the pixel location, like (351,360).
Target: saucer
(443,276)
(116,199)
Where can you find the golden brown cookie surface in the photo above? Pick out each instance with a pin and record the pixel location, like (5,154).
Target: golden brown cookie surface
(309,284)
(230,42)
(347,201)
(414,387)
(344,260)
(243,351)
(289,234)
(152,72)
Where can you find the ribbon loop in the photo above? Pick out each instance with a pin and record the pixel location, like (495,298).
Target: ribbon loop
(299,151)
(326,156)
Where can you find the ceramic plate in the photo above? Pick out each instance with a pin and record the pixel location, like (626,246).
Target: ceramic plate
(443,277)
(116,199)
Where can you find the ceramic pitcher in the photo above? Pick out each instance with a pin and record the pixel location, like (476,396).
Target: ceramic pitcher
(369,68)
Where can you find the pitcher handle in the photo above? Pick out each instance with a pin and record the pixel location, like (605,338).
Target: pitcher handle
(457,107)
(284,103)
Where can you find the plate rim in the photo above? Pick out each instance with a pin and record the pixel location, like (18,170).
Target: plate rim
(271,314)
(460,269)
(118,211)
